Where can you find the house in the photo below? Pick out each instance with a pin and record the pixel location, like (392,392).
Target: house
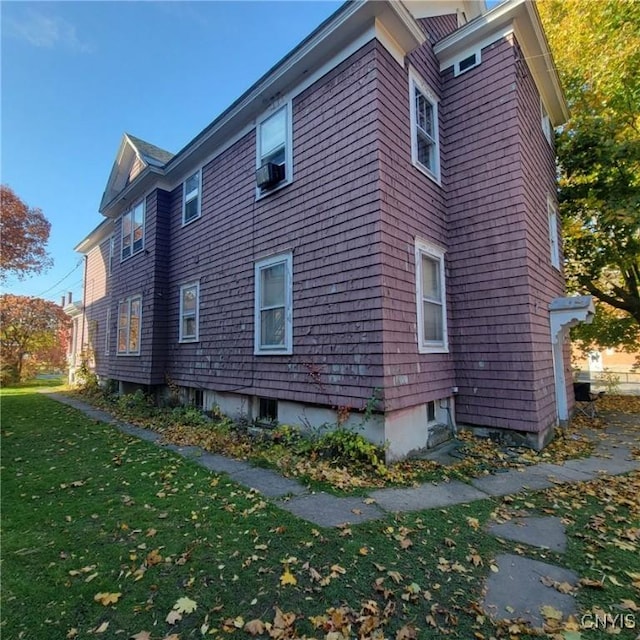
(373,223)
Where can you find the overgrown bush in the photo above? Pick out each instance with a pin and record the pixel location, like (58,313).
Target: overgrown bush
(348,447)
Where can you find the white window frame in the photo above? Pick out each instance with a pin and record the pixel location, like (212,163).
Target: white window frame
(545,123)
(554,240)
(128,351)
(416,84)
(261,265)
(112,253)
(195,314)
(188,197)
(107,332)
(424,248)
(288,148)
(464,56)
(131,215)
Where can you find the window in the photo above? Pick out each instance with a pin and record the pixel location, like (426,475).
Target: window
(431,299)
(425,148)
(273,305)
(189,312)
(274,150)
(554,246)
(133,230)
(129,312)
(431,411)
(468,62)
(545,122)
(267,410)
(107,333)
(112,253)
(191,198)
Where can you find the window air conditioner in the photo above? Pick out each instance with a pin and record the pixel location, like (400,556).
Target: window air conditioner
(269,174)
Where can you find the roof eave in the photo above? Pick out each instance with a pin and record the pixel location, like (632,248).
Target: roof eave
(522,18)
(95,236)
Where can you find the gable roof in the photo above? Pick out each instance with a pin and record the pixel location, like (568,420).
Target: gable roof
(140,166)
(149,152)
(133,157)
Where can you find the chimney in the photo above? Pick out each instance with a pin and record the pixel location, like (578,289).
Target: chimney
(70,297)
(62,302)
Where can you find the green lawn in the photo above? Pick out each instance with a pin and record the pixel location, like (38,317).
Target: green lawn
(104,536)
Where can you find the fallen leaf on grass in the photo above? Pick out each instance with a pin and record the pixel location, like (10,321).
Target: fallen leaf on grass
(173,617)
(288,578)
(106,599)
(254,627)
(408,632)
(102,628)
(141,635)
(629,605)
(588,582)
(185,605)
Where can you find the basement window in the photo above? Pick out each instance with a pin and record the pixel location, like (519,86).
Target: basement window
(431,411)
(267,410)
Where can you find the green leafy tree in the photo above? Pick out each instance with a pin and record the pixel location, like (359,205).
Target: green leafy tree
(596,47)
(33,333)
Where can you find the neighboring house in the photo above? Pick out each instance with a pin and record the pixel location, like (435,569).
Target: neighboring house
(374,219)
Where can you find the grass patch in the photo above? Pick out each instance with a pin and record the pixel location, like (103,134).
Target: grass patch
(105,536)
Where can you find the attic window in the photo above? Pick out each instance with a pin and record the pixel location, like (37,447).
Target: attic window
(466,63)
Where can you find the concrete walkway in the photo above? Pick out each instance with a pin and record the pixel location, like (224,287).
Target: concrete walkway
(612,456)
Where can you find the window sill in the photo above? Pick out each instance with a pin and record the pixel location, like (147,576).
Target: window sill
(135,253)
(432,349)
(427,172)
(260,195)
(273,352)
(188,340)
(128,355)
(188,222)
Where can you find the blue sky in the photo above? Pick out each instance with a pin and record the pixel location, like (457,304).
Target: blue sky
(77,75)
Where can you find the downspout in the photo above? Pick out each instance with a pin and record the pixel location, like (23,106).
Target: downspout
(84,305)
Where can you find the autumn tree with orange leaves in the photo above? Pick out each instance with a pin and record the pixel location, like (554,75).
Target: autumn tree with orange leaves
(33,334)
(24,232)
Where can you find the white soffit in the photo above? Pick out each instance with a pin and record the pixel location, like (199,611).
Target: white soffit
(433,8)
(521,18)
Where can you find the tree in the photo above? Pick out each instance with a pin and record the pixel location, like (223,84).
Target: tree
(32,330)
(596,47)
(24,233)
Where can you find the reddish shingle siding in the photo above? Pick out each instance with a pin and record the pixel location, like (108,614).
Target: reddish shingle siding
(501,280)
(490,298)
(412,206)
(327,218)
(95,302)
(545,281)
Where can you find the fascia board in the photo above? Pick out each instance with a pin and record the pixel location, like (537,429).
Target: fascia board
(521,17)
(341,29)
(335,34)
(147,179)
(96,236)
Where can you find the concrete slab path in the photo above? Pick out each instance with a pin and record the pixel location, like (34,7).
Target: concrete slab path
(521,587)
(546,532)
(612,456)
